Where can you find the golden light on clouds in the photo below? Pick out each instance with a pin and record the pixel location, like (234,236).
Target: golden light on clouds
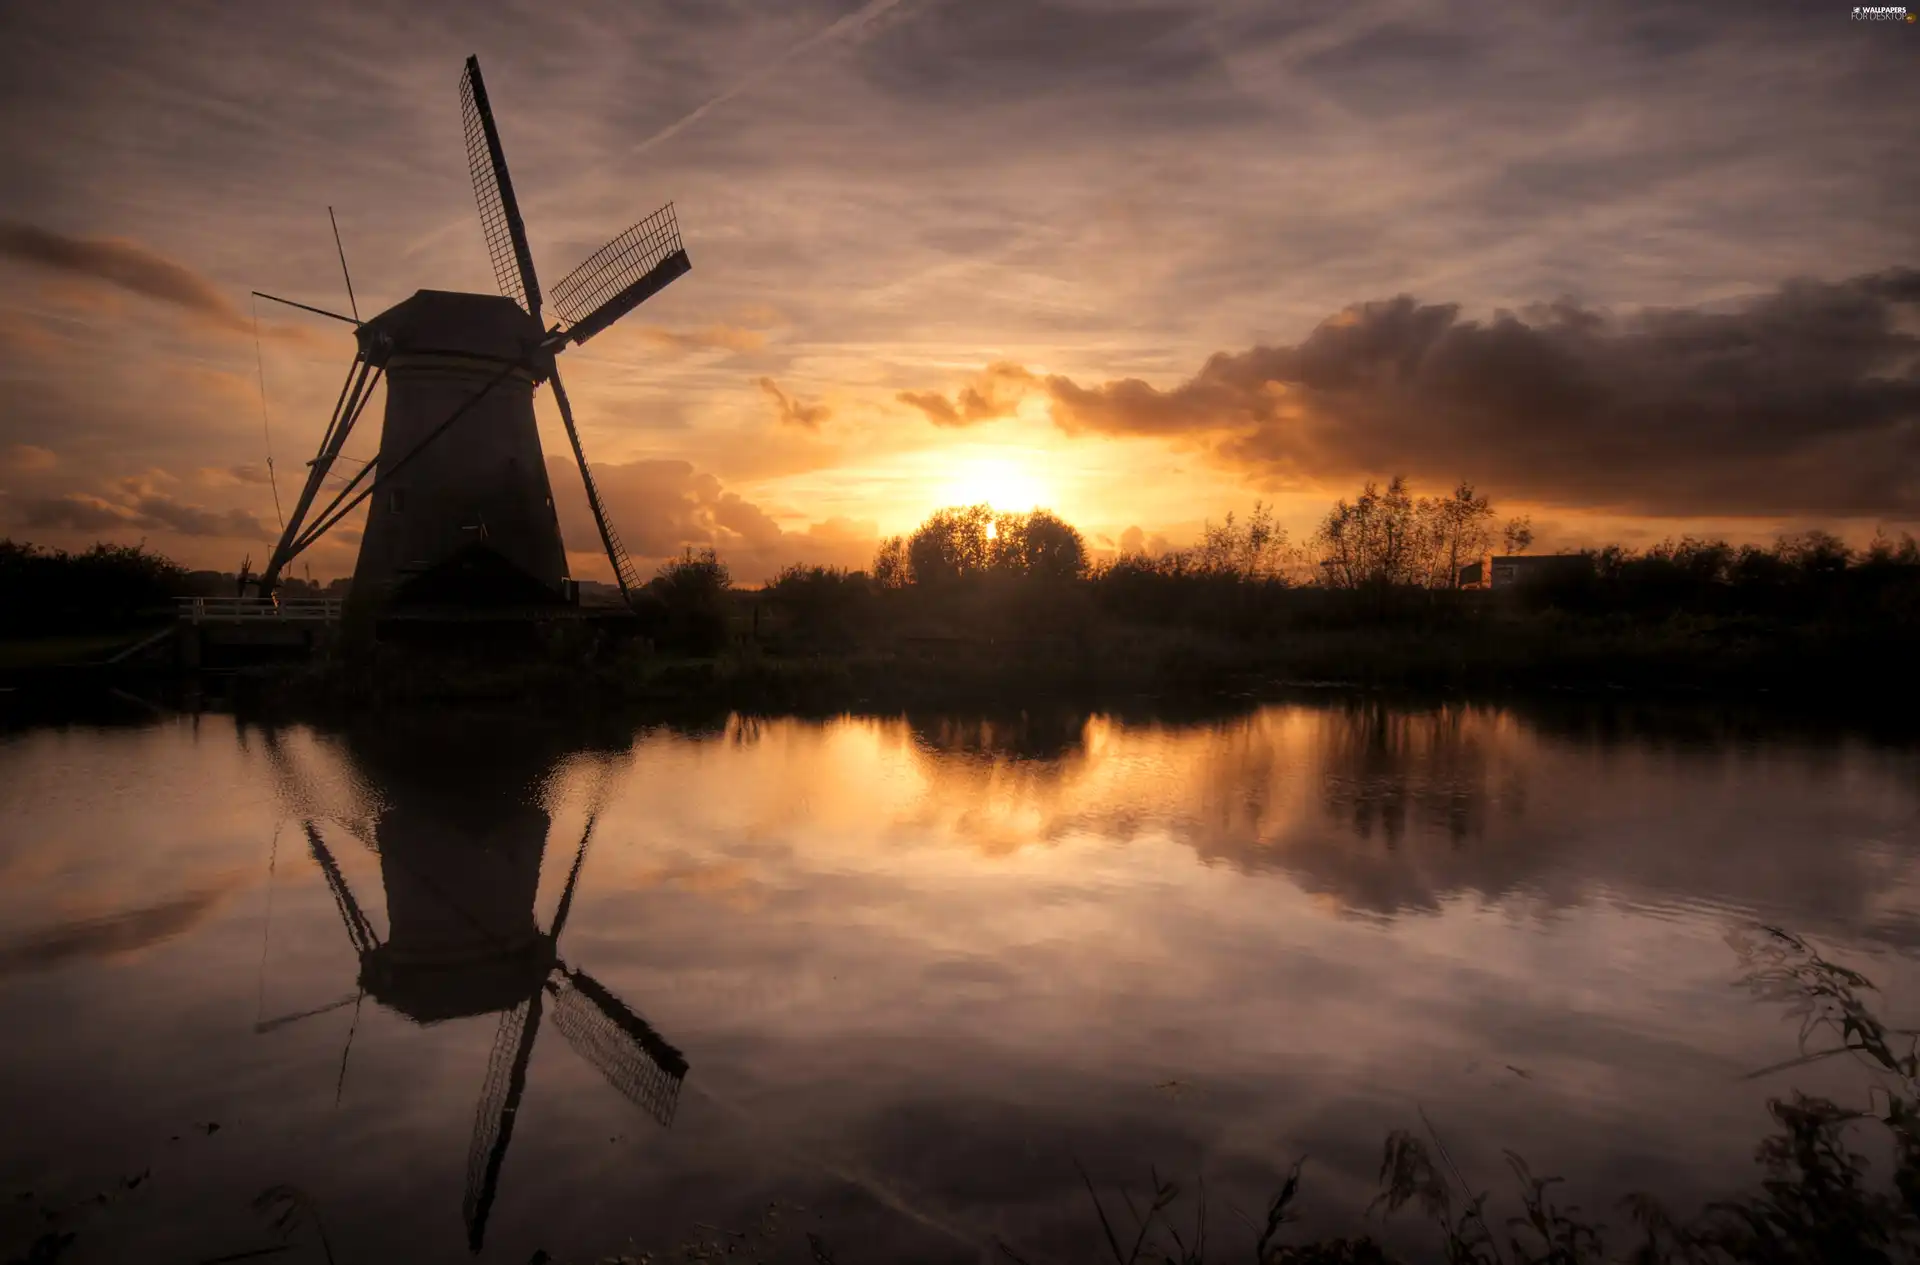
(932,268)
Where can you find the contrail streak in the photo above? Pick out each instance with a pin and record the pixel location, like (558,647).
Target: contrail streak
(860,17)
(852,22)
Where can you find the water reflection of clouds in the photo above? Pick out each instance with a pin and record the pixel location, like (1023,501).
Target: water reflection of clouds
(1385,809)
(118,934)
(954,952)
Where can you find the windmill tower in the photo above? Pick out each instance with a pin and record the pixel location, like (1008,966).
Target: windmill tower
(460,508)
(460,837)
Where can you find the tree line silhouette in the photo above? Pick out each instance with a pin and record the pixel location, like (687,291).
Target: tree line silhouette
(1383,558)
(103,587)
(1377,592)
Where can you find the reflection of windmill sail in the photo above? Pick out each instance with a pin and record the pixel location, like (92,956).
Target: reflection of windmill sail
(493,1117)
(625,1049)
(623,1046)
(359,930)
(301,798)
(460,841)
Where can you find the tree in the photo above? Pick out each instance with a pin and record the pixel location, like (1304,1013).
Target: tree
(952,543)
(1386,538)
(1040,545)
(1373,542)
(973,540)
(1253,550)
(890,567)
(1456,529)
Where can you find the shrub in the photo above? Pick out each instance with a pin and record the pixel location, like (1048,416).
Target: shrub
(692,595)
(107,586)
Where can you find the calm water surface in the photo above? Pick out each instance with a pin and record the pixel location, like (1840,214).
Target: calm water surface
(488,986)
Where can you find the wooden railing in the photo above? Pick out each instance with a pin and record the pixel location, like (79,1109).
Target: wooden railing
(225,610)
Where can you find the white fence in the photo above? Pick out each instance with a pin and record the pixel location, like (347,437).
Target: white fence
(228,610)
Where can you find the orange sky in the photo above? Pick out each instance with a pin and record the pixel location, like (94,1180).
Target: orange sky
(1114,259)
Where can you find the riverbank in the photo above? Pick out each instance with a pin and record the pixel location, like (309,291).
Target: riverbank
(1013,645)
(1163,677)
(1702,658)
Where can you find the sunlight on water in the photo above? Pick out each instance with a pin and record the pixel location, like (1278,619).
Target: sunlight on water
(902,971)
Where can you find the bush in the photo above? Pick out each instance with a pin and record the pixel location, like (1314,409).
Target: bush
(691,596)
(106,587)
(821,606)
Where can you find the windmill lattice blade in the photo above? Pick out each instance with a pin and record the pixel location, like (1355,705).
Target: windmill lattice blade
(623,570)
(621,275)
(359,930)
(634,1058)
(493,191)
(493,1118)
(270,1025)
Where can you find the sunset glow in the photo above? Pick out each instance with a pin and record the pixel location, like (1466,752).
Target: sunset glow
(1165,261)
(1008,483)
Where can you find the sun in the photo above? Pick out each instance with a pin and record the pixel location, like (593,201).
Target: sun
(1004,481)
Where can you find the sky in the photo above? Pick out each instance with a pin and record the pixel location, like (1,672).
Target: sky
(1636,269)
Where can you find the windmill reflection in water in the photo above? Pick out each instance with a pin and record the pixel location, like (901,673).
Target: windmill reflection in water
(460,864)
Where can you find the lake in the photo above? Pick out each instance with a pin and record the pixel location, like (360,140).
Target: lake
(442,985)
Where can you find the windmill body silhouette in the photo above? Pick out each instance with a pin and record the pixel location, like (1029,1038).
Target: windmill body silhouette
(460,852)
(460,509)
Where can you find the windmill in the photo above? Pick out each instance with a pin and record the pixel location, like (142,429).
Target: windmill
(461,871)
(472,519)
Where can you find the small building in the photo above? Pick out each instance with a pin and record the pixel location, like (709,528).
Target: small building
(1512,571)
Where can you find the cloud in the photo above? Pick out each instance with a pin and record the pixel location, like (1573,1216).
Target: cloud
(28,338)
(124,265)
(139,502)
(232,476)
(995,392)
(758,315)
(76,510)
(195,520)
(791,411)
(662,507)
(1135,540)
(732,338)
(936,406)
(1802,400)
(849,25)
(27,459)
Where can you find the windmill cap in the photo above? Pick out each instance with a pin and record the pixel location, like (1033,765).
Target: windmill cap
(452,323)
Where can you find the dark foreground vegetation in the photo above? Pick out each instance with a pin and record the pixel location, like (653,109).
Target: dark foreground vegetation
(1818,1199)
(980,604)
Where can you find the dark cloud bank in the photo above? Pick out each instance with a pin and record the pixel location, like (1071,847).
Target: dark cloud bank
(137,503)
(123,265)
(1805,400)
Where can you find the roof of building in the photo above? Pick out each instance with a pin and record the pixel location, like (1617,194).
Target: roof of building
(450,322)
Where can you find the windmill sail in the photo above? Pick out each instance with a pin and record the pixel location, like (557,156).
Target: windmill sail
(493,191)
(623,570)
(626,272)
(622,275)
